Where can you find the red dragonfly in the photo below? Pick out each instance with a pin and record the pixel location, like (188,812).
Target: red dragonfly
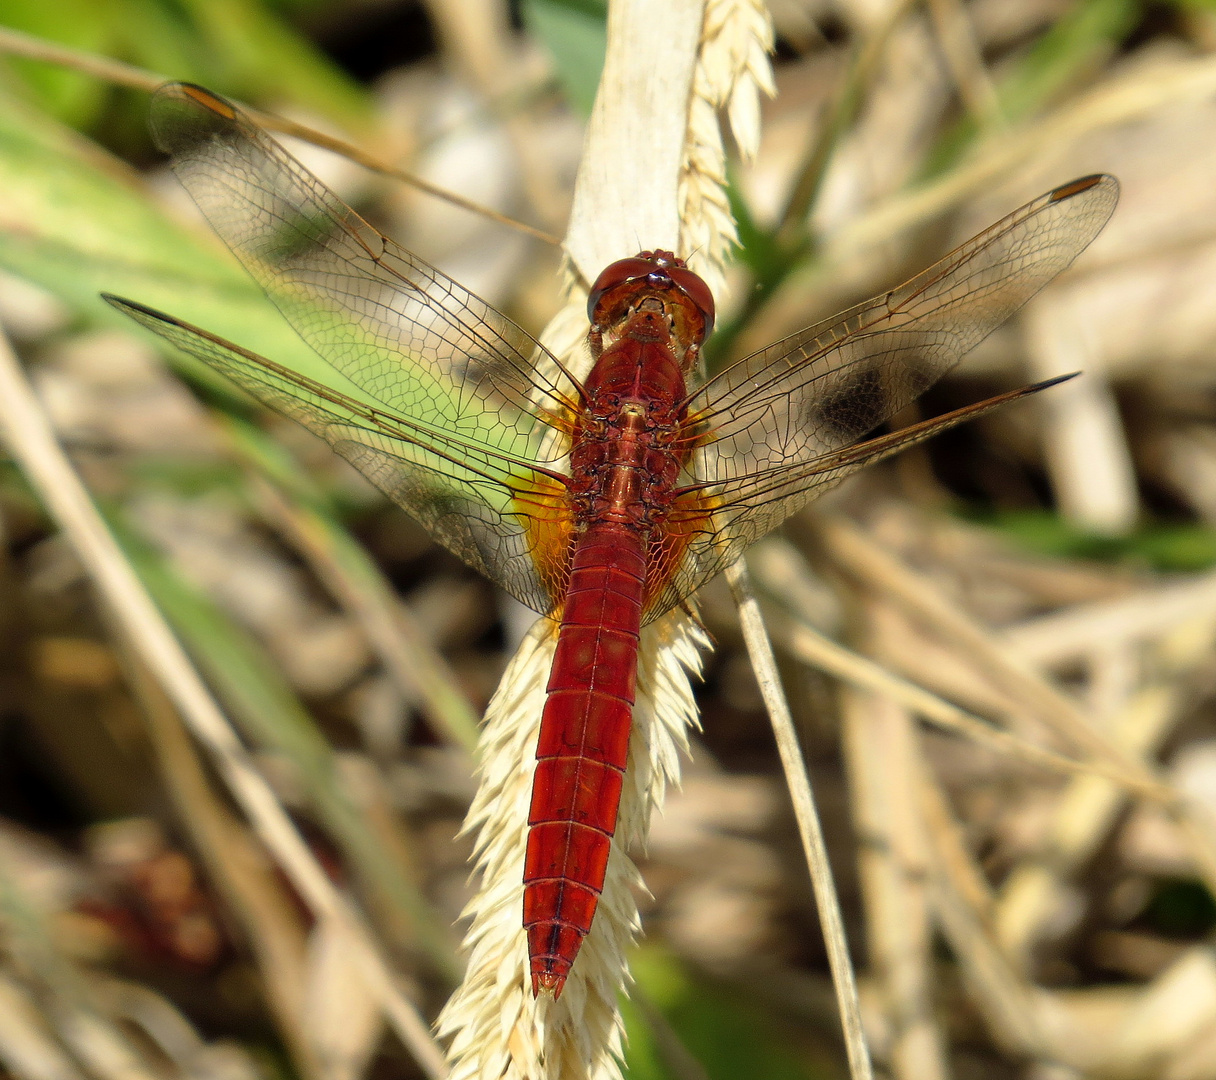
(602,501)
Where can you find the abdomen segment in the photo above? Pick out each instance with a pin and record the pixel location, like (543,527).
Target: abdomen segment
(583,748)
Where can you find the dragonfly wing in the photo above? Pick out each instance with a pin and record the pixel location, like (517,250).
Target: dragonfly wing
(710,526)
(405,333)
(780,426)
(480,503)
(826,386)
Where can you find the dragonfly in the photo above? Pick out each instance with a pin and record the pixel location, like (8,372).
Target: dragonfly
(602,501)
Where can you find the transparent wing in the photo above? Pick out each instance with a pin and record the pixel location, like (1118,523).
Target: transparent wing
(410,337)
(712,525)
(825,387)
(781,426)
(482,504)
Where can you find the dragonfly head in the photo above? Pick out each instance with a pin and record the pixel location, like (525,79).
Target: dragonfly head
(650,279)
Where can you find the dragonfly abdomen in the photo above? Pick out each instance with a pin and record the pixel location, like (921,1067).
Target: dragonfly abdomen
(583,747)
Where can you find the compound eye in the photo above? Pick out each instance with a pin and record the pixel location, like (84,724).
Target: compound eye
(618,273)
(694,287)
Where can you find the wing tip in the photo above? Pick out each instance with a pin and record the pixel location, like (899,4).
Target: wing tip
(185,115)
(1083,184)
(135,309)
(198,95)
(1046,384)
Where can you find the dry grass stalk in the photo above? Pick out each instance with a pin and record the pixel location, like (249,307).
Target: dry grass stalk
(625,195)
(881,571)
(1176,1008)
(877,738)
(1092,473)
(760,652)
(1089,806)
(419,671)
(884,573)
(691,58)
(161,1026)
(238,869)
(1112,102)
(34,446)
(1157,1030)
(966,63)
(810,646)
(27,1048)
(1064,636)
(962,904)
(68,1013)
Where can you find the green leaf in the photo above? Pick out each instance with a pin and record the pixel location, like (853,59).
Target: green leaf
(1082,39)
(82,24)
(1181,909)
(258,56)
(72,221)
(729,1038)
(1162,546)
(76,222)
(1075,45)
(239,47)
(576,34)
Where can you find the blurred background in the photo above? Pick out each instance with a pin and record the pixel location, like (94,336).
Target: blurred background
(955,627)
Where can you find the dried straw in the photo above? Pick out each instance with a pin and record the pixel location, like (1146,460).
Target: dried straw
(33,444)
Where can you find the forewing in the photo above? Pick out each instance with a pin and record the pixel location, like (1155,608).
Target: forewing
(824,387)
(407,335)
(480,503)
